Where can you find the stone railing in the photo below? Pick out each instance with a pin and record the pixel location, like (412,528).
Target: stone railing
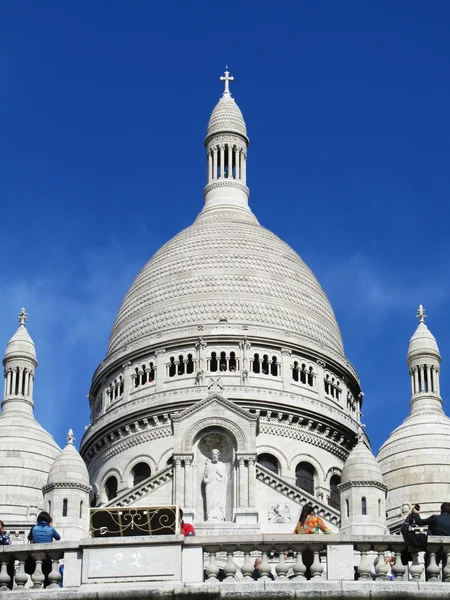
(334,566)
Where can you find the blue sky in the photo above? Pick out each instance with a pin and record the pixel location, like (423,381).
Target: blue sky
(104,107)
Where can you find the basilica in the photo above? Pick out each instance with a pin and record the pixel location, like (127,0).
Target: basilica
(225,390)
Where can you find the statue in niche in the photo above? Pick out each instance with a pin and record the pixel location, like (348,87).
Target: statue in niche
(215,480)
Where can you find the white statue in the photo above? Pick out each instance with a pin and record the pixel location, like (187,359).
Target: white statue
(215,480)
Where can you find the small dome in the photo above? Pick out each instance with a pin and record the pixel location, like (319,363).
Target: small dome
(226,117)
(68,466)
(422,341)
(361,465)
(21,346)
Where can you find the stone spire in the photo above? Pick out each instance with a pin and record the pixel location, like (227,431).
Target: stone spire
(424,362)
(226,145)
(19,363)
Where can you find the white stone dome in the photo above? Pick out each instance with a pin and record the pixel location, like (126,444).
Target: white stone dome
(21,346)
(27,452)
(226,267)
(226,117)
(361,465)
(68,466)
(422,340)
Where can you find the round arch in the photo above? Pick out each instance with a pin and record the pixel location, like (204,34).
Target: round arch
(281,456)
(213,423)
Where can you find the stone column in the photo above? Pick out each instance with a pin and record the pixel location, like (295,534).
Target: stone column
(14,378)
(236,162)
(5,384)
(433,379)
(128,380)
(27,383)
(160,369)
(416,380)
(242,486)
(222,161)
(188,482)
(244,169)
(214,163)
(412,382)
(210,166)
(178,490)
(252,482)
(421,379)
(438,385)
(286,373)
(241,168)
(31,385)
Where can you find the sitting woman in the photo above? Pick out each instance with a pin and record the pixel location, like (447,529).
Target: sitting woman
(309,523)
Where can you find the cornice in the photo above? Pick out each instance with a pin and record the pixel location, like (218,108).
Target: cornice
(66,485)
(356,483)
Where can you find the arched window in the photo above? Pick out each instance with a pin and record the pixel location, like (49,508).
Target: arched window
(269,461)
(181,365)
(274,366)
(310,377)
(121,385)
(64,507)
(295,371)
(190,364)
(111,487)
(265,365)
(144,375)
(347,508)
(379,507)
(256,363)
(49,507)
(334,492)
(233,365)
(172,367)
(81,509)
(303,373)
(213,362)
(151,373)
(169,462)
(223,362)
(304,477)
(363,506)
(136,379)
(140,472)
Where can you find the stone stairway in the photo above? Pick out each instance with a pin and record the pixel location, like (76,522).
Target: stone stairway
(142,489)
(297,495)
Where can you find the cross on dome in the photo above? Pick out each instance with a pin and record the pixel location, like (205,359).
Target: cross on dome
(421,314)
(70,437)
(23,316)
(226,77)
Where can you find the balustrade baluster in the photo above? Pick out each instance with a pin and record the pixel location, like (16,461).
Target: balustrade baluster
(264,567)
(317,566)
(381,568)
(5,579)
(416,569)
(364,565)
(21,578)
(433,571)
(212,570)
(282,568)
(230,568)
(398,568)
(38,577)
(299,567)
(54,577)
(247,567)
(446,570)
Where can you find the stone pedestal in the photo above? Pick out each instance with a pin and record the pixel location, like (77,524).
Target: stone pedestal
(246,516)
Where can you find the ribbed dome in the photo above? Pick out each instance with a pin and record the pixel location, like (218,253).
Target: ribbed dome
(27,452)
(361,465)
(226,117)
(21,346)
(226,266)
(68,466)
(422,340)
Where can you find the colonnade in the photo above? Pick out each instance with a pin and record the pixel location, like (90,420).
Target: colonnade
(227,161)
(18,381)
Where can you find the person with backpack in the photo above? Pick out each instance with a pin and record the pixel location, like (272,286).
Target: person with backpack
(43,532)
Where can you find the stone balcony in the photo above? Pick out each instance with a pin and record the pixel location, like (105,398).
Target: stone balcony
(331,566)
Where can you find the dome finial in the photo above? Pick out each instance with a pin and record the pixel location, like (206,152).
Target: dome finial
(23,316)
(70,437)
(226,77)
(421,314)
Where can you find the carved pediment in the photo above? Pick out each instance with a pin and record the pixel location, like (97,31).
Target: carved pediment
(221,401)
